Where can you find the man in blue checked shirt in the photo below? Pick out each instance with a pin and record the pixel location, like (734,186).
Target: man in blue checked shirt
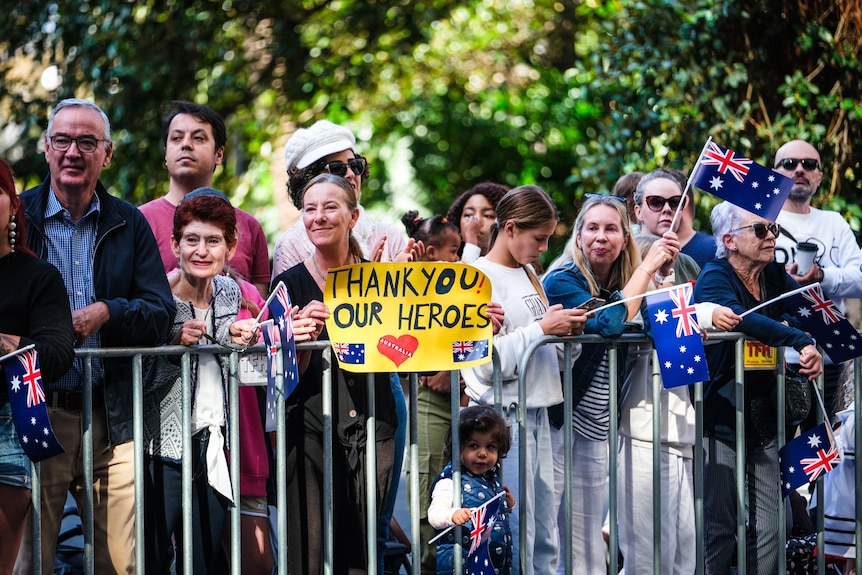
(120,297)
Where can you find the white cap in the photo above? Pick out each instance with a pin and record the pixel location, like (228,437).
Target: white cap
(307,145)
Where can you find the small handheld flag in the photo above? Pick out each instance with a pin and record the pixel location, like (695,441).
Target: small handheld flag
(27,401)
(280,311)
(677,336)
(807,457)
(821,318)
(741,181)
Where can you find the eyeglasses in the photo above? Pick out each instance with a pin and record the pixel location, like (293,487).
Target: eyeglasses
(617,198)
(656,203)
(760,230)
(357,166)
(808,164)
(85,144)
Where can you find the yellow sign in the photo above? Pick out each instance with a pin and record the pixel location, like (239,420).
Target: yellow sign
(759,356)
(408,316)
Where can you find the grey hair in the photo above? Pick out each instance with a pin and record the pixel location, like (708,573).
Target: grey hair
(724,218)
(638,196)
(81,103)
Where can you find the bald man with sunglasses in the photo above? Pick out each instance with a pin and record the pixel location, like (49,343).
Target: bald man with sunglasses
(836,265)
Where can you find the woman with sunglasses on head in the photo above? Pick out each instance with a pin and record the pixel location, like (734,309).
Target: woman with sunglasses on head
(606,264)
(744,275)
(328,148)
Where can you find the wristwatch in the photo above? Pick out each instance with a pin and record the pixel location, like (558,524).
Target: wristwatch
(668,279)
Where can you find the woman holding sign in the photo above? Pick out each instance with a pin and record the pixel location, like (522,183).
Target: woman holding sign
(606,264)
(329,213)
(526,219)
(742,276)
(34,309)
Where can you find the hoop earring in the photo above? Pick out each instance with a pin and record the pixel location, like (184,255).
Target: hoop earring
(12,233)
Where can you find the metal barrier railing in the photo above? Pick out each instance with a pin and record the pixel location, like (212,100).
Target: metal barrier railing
(411,455)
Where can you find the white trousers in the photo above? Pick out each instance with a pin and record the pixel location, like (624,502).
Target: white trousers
(635,510)
(589,474)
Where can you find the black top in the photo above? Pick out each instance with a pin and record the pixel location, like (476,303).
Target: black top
(718,283)
(34,305)
(349,392)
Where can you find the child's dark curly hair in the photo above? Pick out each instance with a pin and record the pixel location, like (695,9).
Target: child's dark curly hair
(429,231)
(481,419)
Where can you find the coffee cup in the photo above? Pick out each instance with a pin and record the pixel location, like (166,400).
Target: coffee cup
(805,253)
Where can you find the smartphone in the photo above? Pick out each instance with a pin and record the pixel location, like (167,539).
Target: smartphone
(592,303)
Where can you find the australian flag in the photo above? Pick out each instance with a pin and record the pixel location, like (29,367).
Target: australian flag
(469,350)
(807,457)
(677,336)
(353,353)
(741,181)
(821,318)
(27,401)
(280,313)
(478,560)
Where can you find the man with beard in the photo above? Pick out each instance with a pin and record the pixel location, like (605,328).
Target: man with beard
(836,264)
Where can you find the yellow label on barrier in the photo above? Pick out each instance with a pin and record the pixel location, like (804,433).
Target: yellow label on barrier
(759,356)
(408,316)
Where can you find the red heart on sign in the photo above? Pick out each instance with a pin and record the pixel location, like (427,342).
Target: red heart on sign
(398,350)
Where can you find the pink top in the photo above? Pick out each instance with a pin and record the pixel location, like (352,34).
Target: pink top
(251,259)
(253,457)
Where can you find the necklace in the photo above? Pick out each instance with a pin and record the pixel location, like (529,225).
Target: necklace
(317,269)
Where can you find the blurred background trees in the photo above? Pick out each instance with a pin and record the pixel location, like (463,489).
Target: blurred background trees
(444,94)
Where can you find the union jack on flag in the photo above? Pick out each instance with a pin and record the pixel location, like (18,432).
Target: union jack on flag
(805,458)
(824,305)
(740,181)
(726,160)
(483,517)
(837,336)
(684,310)
(32,377)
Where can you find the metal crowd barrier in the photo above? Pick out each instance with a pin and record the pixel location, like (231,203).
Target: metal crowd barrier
(411,457)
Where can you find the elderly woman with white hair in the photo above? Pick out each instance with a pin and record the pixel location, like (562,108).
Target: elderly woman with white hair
(742,276)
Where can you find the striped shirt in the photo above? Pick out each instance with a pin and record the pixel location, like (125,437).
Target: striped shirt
(71,249)
(591,417)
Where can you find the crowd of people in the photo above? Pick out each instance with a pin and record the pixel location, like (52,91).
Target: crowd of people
(82,268)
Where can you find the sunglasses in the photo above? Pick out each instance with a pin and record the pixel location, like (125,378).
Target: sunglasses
(808,164)
(656,203)
(617,198)
(760,230)
(357,165)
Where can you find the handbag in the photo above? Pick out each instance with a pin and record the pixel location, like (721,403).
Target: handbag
(797,396)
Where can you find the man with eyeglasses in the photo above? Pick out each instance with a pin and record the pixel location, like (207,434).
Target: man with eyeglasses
(119,297)
(194,137)
(656,199)
(836,265)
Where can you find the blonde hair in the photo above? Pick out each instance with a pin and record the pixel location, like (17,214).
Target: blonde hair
(628,260)
(528,207)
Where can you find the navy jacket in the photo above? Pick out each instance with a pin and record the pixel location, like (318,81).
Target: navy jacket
(128,276)
(718,283)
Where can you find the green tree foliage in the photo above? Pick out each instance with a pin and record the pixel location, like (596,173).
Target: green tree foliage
(569,95)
